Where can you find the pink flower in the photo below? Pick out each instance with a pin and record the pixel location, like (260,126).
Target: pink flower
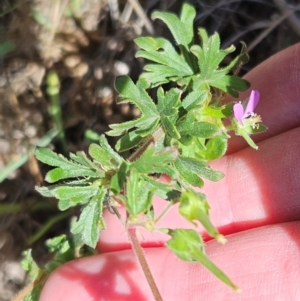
(238,109)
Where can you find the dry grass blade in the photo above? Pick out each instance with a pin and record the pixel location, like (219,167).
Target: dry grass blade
(238,35)
(211,10)
(127,12)
(271,27)
(114,9)
(292,19)
(142,15)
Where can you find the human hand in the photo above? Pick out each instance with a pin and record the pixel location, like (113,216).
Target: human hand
(257,203)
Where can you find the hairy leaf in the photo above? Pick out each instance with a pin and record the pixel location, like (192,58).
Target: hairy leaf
(196,99)
(76,194)
(215,148)
(151,162)
(137,95)
(29,265)
(138,198)
(170,64)
(49,157)
(181,28)
(90,219)
(119,178)
(198,167)
(187,174)
(104,154)
(210,57)
(57,174)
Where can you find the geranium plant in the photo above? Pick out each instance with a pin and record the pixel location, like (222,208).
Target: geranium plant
(178,133)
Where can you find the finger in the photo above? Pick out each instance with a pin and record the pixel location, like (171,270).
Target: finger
(263,262)
(277,80)
(259,188)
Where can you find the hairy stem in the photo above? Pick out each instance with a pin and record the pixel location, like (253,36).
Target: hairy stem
(149,141)
(143,263)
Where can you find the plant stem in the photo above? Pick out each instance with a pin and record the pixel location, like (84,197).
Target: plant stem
(31,286)
(53,86)
(149,141)
(143,263)
(162,214)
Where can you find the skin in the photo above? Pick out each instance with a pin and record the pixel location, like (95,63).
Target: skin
(256,205)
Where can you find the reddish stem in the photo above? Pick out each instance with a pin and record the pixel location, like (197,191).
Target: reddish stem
(139,253)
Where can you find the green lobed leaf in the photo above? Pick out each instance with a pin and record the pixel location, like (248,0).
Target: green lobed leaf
(167,106)
(65,204)
(76,194)
(118,129)
(62,250)
(49,157)
(81,158)
(159,74)
(204,129)
(45,191)
(230,84)
(128,141)
(138,198)
(170,128)
(136,94)
(215,148)
(148,126)
(190,127)
(115,157)
(161,51)
(196,99)
(119,178)
(101,156)
(181,28)
(199,167)
(217,112)
(193,206)
(195,151)
(187,174)
(168,103)
(58,173)
(35,275)
(163,190)
(90,219)
(188,245)
(91,135)
(210,56)
(29,265)
(150,162)
(209,53)
(170,65)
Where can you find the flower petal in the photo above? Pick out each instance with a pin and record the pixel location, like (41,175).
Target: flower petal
(238,112)
(252,103)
